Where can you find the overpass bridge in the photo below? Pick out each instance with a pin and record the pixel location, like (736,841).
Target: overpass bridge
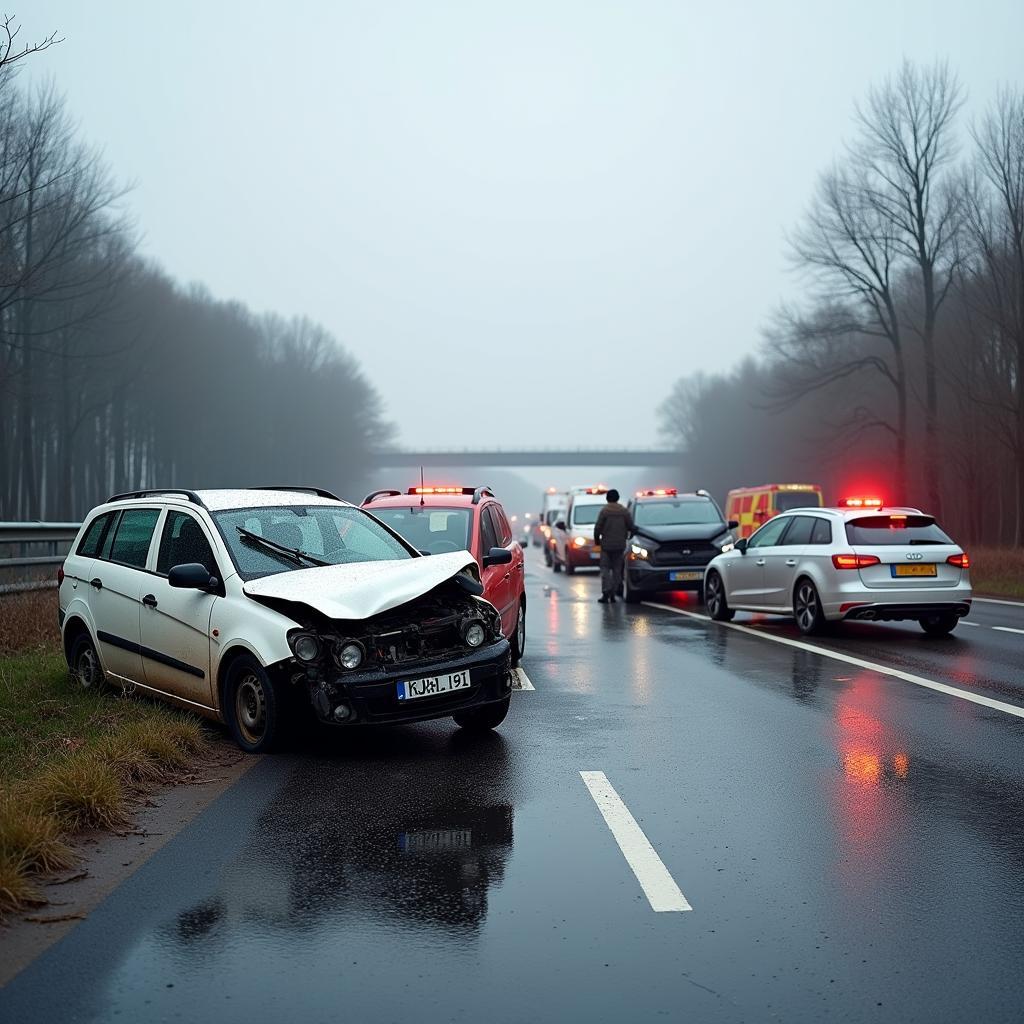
(640,458)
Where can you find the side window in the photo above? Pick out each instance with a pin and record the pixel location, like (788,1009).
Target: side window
(183,541)
(822,532)
(134,533)
(488,535)
(770,533)
(93,539)
(501,524)
(799,533)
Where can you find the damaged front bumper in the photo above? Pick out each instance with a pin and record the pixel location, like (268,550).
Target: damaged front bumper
(371,697)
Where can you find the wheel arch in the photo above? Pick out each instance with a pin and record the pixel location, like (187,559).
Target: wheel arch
(74,627)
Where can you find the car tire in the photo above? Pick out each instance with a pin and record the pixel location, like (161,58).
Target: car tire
(84,663)
(252,706)
(519,637)
(629,595)
(556,565)
(939,625)
(485,718)
(717,604)
(570,569)
(807,610)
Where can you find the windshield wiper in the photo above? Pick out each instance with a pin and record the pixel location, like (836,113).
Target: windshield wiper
(296,554)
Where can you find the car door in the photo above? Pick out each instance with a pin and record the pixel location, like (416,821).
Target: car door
(496,578)
(175,622)
(782,561)
(746,577)
(118,581)
(516,570)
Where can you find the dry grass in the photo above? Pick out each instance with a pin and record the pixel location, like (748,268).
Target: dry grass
(70,759)
(998,571)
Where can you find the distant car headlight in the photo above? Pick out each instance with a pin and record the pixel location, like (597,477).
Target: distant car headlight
(637,552)
(580,542)
(306,647)
(350,655)
(474,633)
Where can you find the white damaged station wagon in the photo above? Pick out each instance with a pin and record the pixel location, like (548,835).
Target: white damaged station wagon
(251,606)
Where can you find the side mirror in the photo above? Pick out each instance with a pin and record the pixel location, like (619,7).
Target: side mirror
(560,525)
(192,576)
(497,556)
(741,545)
(733,524)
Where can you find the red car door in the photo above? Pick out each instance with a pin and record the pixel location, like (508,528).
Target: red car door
(497,579)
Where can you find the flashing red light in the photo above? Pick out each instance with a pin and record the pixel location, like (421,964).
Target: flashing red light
(437,490)
(854,561)
(658,492)
(861,503)
(961,561)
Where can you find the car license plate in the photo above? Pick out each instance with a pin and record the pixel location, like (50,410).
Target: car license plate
(927,569)
(685,577)
(433,685)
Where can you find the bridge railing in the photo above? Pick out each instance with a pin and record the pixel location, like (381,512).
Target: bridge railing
(27,550)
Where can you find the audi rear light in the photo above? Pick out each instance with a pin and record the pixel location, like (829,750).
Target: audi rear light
(60,575)
(961,561)
(855,561)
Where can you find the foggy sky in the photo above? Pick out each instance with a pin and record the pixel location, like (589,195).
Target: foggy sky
(547,211)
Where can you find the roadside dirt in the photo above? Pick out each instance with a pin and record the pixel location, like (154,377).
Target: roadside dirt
(108,859)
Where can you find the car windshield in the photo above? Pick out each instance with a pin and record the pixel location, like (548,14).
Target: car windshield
(335,534)
(785,500)
(683,512)
(585,515)
(870,531)
(436,530)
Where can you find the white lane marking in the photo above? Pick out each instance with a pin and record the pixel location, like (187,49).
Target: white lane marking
(997,600)
(1006,629)
(523,680)
(964,622)
(658,885)
(872,666)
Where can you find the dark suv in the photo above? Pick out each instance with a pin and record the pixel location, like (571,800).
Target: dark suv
(674,537)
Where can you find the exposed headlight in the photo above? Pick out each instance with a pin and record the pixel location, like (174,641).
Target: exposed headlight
(350,655)
(474,633)
(637,552)
(580,542)
(725,543)
(306,647)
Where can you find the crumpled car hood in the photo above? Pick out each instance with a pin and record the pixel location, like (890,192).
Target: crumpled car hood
(363,589)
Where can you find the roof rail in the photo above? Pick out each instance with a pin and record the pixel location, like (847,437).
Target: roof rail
(385,493)
(318,491)
(480,492)
(150,492)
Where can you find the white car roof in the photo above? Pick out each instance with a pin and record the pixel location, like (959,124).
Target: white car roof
(218,499)
(850,513)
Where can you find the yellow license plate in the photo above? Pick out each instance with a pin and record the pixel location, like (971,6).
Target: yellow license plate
(915,570)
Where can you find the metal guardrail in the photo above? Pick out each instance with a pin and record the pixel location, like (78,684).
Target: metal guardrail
(33,545)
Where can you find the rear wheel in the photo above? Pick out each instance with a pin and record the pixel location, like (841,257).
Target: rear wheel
(939,625)
(519,638)
(570,569)
(807,608)
(252,706)
(85,664)
(490,716)
(717,605)
(556,565)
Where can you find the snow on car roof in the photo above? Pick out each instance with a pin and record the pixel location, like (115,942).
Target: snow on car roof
(217,500)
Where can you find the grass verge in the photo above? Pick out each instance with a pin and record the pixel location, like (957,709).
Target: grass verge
(70,759)
(998,572)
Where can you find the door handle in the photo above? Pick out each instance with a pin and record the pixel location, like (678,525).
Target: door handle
(97,583)
(791,562)
(760,561)
(149,601)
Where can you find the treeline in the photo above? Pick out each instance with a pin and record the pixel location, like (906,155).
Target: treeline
(900,369)
(114,377)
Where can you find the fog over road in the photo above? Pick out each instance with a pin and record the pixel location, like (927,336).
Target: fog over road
(851,844)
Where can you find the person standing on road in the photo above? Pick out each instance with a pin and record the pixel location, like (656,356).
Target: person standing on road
(611,531)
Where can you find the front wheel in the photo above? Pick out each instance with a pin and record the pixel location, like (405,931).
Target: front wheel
(807,608)
(939,625)
(714,596)
(570,569)
(519,637)
(629,595)
(482,719)
(252,706)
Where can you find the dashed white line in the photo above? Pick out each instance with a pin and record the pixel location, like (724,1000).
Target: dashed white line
(1008,629)
(977,625)
(658,885)
(522,680)
(997,600)
(872,666)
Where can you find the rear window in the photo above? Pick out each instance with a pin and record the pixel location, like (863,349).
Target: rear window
(870,531)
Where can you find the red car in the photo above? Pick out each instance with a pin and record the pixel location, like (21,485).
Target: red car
(439,519)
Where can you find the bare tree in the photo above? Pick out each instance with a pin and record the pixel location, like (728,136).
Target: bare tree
(11,51)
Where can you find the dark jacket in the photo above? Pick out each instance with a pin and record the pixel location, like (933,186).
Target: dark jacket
(613,527)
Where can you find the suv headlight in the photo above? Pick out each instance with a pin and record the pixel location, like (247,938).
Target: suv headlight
(725,543)
(306,646)
(474,633)
(350,655)
(638,553)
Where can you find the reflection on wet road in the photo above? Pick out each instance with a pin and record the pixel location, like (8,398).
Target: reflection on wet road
(852,846)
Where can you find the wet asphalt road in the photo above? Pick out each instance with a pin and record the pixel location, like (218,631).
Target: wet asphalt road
(852,846)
